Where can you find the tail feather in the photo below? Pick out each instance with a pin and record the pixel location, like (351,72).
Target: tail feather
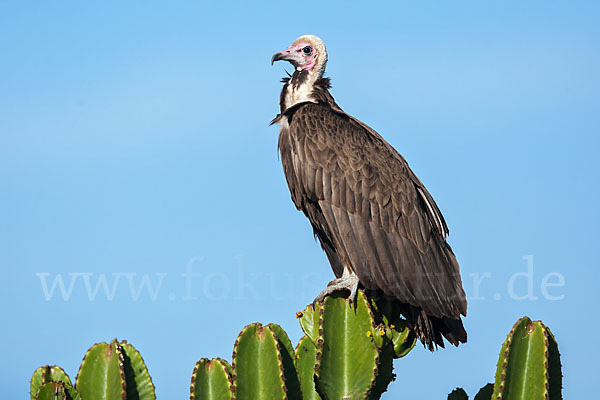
(431,331)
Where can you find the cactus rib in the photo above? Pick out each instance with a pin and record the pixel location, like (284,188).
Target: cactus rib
(258,371)
(529,365)
(211,380)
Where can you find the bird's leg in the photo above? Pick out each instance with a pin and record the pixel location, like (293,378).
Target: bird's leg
(349,281)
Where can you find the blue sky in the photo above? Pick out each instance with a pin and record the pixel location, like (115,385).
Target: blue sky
(134,145)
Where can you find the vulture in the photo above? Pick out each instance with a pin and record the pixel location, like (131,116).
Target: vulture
(375,220)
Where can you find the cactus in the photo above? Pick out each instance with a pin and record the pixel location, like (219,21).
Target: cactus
(47,374)
(139,383)
(355,348)
(57,391)
(263,368)
(347,353)
(101,374)
(306,359)
(108,371)
(529,364)
(211,380)
(309,320)
(288,360)
(387,317)
(263,365)
(528,367)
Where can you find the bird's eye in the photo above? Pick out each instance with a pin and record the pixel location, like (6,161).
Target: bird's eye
(307,50)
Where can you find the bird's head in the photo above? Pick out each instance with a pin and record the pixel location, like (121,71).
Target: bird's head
(307,53)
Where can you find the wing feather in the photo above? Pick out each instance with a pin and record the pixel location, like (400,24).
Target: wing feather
(379,217)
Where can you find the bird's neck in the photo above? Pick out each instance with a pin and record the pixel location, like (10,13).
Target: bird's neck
(298,89)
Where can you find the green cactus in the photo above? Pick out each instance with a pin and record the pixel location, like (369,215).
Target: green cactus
(211,380)
(306,359)
(309,321)
(292,381)
(355,346)
(347,353)
(529,364)
(347,356)
(387,317)
(108,371)
(138,381)
(528,368)
(263,368)
(101,374)
(259,365)
(57,391)
(47,374)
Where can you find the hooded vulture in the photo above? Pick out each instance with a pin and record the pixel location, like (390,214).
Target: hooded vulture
(375,220)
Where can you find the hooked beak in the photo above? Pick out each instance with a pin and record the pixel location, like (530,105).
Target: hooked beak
(277,57)
(288,55)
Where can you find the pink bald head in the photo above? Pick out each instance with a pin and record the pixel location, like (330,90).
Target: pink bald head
(306,53)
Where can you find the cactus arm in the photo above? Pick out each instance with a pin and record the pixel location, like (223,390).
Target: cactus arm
(258,371)
(51,391)
(347,358)
(292,382)
(525,368)
(211,380)
(283,339)
(101,375)
(57,391)
(403,338)
(306,358)
(139,383)
(385,363)
(309,320)
(387,315)
(47,374)
(554,366)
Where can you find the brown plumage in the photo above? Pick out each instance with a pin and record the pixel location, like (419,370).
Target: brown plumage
(373,217)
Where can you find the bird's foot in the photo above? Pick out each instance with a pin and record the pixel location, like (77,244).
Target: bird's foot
(346,282)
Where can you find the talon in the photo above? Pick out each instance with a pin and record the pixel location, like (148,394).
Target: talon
(354,291)
(349,281)
(334,282)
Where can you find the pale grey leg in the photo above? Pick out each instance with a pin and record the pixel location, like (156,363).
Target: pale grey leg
(349,281)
